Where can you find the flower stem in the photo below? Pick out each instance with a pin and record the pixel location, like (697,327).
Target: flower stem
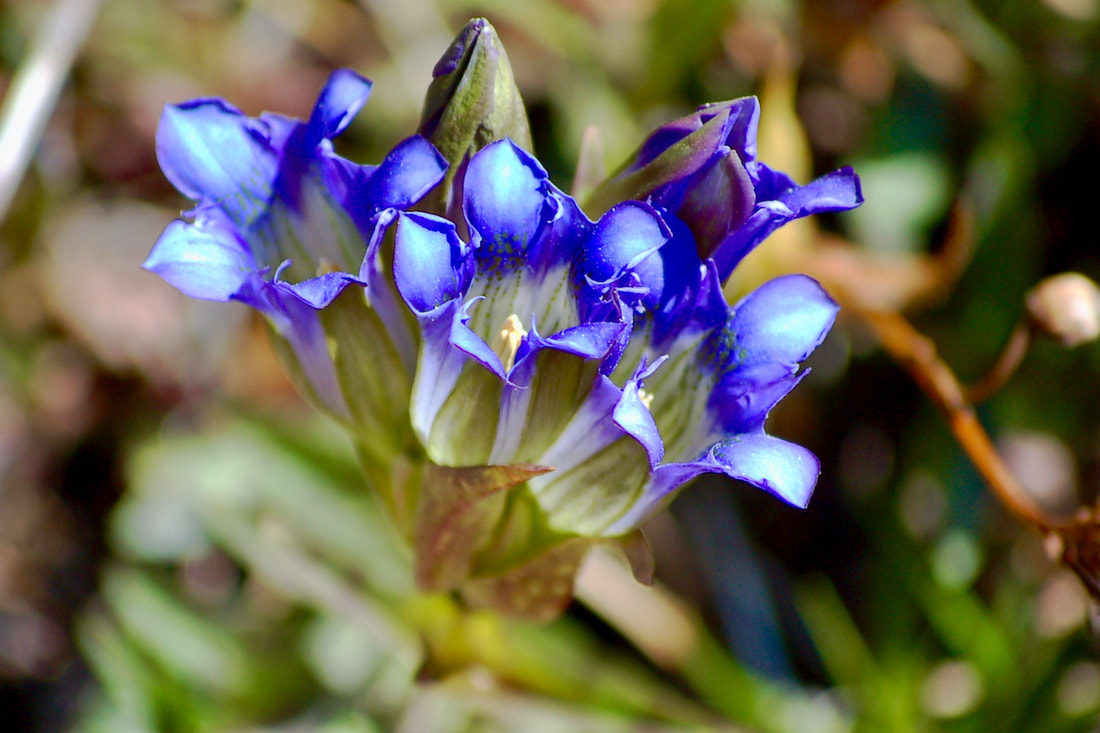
(1005,366)
(918,355)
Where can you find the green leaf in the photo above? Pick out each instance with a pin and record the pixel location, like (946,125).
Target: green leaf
(458,509)
(189,648)
(539,590)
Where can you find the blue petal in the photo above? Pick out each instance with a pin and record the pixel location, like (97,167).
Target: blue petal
(635,419)
(211,152)
(463,338)
(383,294)
(345,178)
(566,233)
(300,324)
(588,341)
(205,259)
(439,366)
(505,205)
(737,132)
(681,275)
(783,320)
(343,96)
(741,401)
(778,201)
(621,253)
(525,235)
(755,355)
(431,265)
(744,116)
(624,239)
(319,292)
(711,309)
(407,174)
(723,378)
(307,147)
(279,128)
(784,469)
(836,191)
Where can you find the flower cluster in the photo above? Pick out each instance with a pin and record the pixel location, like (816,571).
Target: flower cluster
(547,372)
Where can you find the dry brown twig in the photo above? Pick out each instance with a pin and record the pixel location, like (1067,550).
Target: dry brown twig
(877,291)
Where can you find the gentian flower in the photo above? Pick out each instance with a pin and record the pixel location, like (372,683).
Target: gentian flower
(284,224)
(526,376)
(538,347)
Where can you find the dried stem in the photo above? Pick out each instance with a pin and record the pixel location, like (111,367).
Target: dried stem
(1007,363)
(918,355)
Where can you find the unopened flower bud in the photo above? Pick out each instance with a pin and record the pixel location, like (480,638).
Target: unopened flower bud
(702,170)
(1067,307)
(472,101)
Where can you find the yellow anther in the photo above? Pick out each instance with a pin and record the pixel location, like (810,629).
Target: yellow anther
(508,340)
(325,266)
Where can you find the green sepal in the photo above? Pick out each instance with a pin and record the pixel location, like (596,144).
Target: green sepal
(298,376)
(679,160)
(636,549)
(539,590)
(374,382)
(472,101)
(589,497)
(396,482)
(560,385)
(520,536)
(463,431)
(457,510)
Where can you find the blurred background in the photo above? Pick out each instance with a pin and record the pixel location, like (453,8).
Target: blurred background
(183,546)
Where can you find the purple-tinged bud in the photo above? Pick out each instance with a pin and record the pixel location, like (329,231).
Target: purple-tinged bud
(702,169)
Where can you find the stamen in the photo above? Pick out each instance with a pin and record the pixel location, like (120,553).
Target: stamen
(508,340)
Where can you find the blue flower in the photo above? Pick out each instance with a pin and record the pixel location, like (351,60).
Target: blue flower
(522,380)
(603,350)
(281,222)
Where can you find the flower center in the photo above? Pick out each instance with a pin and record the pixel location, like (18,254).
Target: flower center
(508,339)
